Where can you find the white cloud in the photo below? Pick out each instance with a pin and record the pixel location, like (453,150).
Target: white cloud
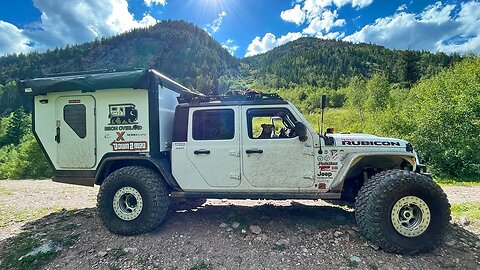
(149,3)
(341,3)
(435,29)
(320,16)
(215,25)
(11,39)
(325,23)
(316,7)
(361,3)
(295,15)
(70,22)
(436,13)
(331,35)
(230,46)
(402,8)
(268,42)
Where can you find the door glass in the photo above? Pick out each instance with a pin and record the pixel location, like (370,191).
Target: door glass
(270,123)
(213,125)
(75,115)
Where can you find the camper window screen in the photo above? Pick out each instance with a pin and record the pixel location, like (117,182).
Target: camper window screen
(213,125)
(75,116)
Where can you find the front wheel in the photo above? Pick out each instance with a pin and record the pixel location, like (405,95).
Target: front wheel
(402,211)
(132,200)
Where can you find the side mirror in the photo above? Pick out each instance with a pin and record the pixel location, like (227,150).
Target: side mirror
(301,131)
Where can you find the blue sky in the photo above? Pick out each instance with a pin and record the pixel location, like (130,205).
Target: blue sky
(248,27)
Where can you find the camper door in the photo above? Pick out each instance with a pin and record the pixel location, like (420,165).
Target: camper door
(75,132)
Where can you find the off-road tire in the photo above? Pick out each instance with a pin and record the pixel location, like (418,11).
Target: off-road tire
(154,194)
(377,198)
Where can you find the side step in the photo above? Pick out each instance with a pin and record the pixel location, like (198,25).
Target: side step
(255,195)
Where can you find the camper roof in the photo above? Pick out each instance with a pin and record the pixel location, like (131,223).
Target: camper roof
(89,82)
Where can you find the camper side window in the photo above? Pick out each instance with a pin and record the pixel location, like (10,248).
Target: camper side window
(75,115)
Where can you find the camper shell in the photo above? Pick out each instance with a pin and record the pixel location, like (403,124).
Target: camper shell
(83,120)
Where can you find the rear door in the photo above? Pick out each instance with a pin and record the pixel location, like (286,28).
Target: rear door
(214,145)
(75,132)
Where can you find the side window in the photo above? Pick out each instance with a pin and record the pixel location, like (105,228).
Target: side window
(270,123)
(213,124)
(75,115)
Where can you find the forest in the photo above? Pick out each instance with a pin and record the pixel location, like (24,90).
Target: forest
(431,100)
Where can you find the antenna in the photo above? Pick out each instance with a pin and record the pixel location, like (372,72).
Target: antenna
(324,103)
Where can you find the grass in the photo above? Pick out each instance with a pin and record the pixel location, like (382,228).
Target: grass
(59,232)
(118,252)
(470,210)
(21,245)
(69,227)
(351,263)
(68,240)
(8,215)
(467,182)
(4,191)
(279,247)
(201,266)
(142,260)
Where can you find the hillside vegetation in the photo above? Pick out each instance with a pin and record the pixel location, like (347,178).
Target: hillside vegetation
(429,99)
(331,64)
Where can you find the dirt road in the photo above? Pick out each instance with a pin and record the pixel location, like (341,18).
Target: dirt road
(216,235)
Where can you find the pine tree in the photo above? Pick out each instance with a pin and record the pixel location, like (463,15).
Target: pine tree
(18,125)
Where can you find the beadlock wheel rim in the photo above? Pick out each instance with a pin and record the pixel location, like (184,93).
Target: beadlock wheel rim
(410,216)
(127,203)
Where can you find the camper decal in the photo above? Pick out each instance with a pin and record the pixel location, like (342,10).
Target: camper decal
(129,146)
(122,114)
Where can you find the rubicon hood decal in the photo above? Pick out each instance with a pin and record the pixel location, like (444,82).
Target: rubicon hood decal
(368,143)
(367,140)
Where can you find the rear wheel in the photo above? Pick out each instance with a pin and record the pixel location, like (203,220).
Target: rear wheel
(402,211)
(132,200)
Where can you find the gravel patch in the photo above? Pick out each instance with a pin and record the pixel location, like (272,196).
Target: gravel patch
(221,234)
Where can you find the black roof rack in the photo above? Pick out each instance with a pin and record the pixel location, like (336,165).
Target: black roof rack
(254,97)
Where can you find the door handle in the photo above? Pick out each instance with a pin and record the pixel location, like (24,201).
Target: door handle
(57,136)
(201,152)
(254,151)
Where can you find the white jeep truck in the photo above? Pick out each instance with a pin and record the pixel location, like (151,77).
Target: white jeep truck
(147,140)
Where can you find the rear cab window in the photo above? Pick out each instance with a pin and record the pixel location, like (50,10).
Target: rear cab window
(213,124)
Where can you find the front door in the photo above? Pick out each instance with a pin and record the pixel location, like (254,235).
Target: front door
(272,154)
(75,132)
(214,145)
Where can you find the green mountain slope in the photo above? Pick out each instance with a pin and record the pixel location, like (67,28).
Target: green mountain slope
(188,54)
(329,63)
(179,49)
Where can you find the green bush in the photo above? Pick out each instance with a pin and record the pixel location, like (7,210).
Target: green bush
(24,161)
(445,112)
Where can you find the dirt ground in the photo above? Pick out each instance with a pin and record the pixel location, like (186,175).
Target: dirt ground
(217,235)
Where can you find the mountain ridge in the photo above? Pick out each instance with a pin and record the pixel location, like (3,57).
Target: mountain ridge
(188,54)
